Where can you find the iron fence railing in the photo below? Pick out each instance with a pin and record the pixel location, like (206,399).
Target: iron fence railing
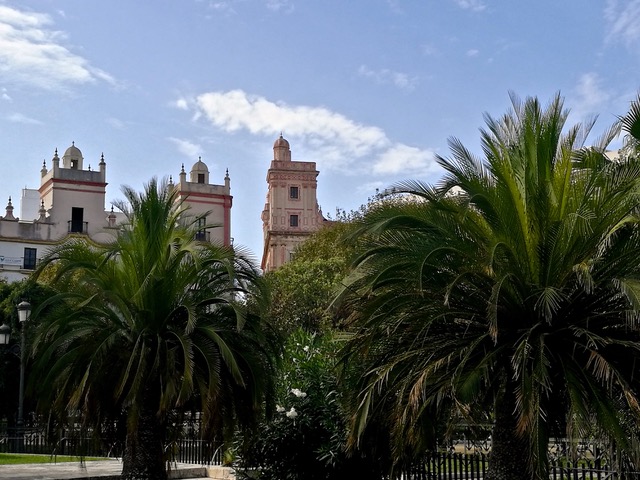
(185,450)
(465,466)
(435,466)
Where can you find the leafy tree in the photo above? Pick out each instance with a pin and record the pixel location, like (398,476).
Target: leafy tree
(512,287)
(306,437)
(11,294)
(302,289)
(147,324)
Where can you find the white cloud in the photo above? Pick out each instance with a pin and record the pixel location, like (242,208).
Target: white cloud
(403,159)
(116,123)
(371,187)
(20,118)
(223,7)
(187,148)
(623,21)
(386,76)
(336,141)
(589,96)
(473,5)
(33,54)
(473,52)
(181,104)
(5,95)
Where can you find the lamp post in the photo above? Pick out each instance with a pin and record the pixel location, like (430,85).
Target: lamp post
(5,334)
(24,312)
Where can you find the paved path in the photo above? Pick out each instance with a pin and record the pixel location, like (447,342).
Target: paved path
(102,470)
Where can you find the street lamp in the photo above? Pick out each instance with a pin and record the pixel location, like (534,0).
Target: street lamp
(5,334)
(24,312)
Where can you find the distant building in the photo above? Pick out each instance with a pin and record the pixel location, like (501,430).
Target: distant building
(291,212)
(71,203)
(212,203)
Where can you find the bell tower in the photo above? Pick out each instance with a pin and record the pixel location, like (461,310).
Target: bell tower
(291,212)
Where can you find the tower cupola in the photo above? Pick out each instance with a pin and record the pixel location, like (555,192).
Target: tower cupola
(199,172)
(72,158)
(281,150)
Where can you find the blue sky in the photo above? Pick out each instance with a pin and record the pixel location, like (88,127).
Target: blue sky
(368,89)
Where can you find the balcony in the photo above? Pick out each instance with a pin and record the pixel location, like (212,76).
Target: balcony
(77,227)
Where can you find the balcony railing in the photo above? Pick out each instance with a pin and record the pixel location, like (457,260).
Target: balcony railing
(77,227)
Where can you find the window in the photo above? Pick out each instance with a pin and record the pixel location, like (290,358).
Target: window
(30,258)
(201,178)
(201,234)
(77,223)
(293,220)
(294,192)
(74,164)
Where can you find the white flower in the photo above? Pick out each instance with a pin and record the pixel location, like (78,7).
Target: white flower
(292,413)
(279,409)
(298,393)
(306,348)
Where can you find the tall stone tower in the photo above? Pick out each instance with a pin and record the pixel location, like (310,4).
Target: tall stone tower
(291,211)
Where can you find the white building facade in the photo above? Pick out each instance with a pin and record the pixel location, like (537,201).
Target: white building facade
(70,202)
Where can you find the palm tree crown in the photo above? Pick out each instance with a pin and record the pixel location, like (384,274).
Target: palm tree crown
(150,322)
(511,287)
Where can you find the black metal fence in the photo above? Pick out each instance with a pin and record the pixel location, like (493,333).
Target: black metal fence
(436,466)
(193,451)
(461,466)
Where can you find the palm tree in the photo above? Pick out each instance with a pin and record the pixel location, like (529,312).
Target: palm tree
(512,288)
(144,325)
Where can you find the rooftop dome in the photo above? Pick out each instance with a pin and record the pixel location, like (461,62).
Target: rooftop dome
(72,157)
(281,142)
(199,172)
(73,151)
(199,166)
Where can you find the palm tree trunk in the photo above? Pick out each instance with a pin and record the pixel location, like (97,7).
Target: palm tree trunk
(143,455)
(509,451)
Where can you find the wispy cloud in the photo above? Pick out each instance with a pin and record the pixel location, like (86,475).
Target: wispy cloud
(338,143)
(622,19)
(403,158)
(430,50)
(187,148)
(386,76)
(589,96)
(473,5)
(117,123)
(32,53)
(4,94)
(285,6)
(20,118)
(473,52)
(223,7)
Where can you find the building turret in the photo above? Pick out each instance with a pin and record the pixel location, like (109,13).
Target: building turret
(72,158)
(281,150)
(9,211)
(210,203)
(103,166)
